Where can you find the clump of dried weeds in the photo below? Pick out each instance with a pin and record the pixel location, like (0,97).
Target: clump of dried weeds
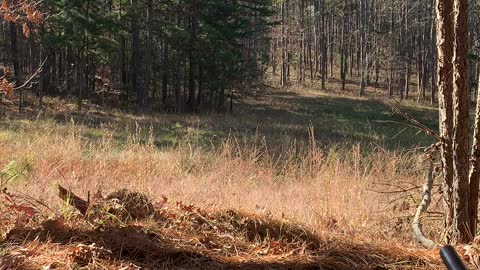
(181,236)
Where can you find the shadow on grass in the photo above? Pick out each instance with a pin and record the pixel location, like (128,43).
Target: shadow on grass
(279,117)
(341,120)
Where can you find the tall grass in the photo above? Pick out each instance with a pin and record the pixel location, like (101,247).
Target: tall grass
(339,188)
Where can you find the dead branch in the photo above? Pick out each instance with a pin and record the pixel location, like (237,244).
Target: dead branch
(32,77)
(396,109)
(73,200)
(422,208)
(401,190)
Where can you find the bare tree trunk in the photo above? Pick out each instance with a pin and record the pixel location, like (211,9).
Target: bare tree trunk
(407,52)
(148,54)
(343,68)
(474,176)
(178,94)
(445,40)
(433,97)
(200,85)
(472,37)
(79,81)
(315,36)
(331,40)
(434,50)
(351,47)
(420,51)
(16,61)
(122,55)
(302,47)
(462,233)
(324,45)
(390,80)
(135,65)
(284,45)
(165,74)
(402,33)
(191,67)
(363,45)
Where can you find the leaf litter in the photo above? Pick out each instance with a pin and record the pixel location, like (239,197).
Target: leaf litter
(125,230)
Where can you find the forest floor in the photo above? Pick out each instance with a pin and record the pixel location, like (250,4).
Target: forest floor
(292,179)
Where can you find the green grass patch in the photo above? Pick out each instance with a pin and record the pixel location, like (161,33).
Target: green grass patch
(277,119)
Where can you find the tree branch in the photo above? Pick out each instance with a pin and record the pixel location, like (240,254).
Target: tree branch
(396,109)
(31,77)
(422,208)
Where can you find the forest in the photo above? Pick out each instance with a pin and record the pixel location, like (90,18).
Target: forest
(239,134)
(192,56)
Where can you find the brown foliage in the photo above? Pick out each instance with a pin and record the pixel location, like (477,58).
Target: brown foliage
(6,87)
(23,11)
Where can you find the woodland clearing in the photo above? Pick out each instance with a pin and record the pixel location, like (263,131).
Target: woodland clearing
(292,179)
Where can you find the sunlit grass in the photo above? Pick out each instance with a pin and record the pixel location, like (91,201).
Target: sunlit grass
(309,156)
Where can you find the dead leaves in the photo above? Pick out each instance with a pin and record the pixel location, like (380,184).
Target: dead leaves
(16,210)
(14,259)
(26,30)
(184,207)
(6,87)
(174,226)
(472,252)
(86,254)
(6,71)
(33,15)
(12,204)
(24,12)
(10,17)
(79,255)
(4,6)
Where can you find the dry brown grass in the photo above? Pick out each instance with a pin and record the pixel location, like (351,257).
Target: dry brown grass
(306,184)
(195,240)
(180,236)
(345,196)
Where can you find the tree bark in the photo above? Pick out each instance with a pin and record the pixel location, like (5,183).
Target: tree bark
(191,67)
(324,45)
(363,45)
(474,176)
(148,54)
(135,61)
(16,61)
(445,49)
(462,232)
(284,45)
(165,74)
(343,68)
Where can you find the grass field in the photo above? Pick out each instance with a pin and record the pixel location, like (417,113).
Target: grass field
(343,166)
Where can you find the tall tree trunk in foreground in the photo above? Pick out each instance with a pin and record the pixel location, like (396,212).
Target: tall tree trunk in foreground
(445,40)
(461,181)
(462,232)
(474,176)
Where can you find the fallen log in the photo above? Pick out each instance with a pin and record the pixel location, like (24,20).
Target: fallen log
(69,197)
